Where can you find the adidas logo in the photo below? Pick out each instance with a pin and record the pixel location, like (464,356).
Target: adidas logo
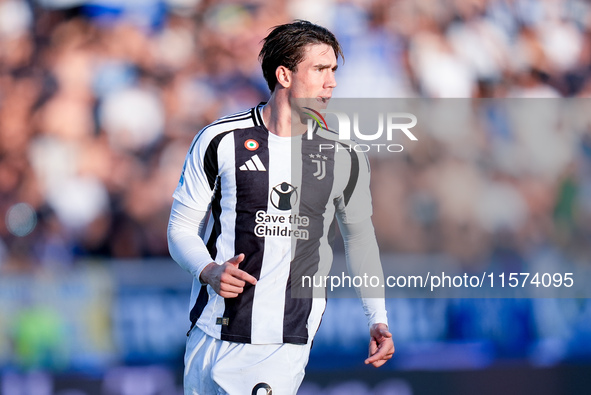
(253,164)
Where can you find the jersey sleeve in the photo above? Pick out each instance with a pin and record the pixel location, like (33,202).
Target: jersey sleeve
(363,259)
(185,244)
(197,182)
(361,249)
(354,204)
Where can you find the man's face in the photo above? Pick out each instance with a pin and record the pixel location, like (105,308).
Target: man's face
(314,77)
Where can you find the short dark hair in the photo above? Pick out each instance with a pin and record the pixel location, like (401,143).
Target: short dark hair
(285,46)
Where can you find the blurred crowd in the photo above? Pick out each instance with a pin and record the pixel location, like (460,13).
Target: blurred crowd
(99,101)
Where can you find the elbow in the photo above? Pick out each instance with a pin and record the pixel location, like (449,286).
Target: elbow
(170,231)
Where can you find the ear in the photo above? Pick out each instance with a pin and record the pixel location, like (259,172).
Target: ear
(283,75)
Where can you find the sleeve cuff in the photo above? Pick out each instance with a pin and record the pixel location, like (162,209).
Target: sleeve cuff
(380,317)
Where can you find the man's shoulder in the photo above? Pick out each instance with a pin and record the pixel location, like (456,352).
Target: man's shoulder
(240,120)
(231,122)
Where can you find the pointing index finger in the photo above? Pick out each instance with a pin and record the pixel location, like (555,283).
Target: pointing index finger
(241,274)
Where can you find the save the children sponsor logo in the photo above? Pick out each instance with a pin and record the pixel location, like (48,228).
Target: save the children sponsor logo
(284,197)
(281,225)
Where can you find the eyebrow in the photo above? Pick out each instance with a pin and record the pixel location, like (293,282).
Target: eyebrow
(326,66)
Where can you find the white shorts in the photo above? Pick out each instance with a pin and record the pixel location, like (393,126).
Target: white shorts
(218,367)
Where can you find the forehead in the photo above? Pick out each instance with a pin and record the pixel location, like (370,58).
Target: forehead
(322,53)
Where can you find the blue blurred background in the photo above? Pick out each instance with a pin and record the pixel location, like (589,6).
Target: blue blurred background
(99,101)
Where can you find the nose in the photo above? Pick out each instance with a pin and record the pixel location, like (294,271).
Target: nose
(330,81)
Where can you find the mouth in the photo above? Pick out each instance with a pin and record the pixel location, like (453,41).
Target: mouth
(324,99)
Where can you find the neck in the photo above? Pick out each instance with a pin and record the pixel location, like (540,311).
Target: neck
(277,115)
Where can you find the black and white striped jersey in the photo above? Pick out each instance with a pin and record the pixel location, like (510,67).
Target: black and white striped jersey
(274,199)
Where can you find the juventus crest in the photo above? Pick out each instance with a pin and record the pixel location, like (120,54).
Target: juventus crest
(320,161)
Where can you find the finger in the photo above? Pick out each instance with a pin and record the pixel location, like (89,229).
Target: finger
(373,346)
(242,275)
(380,332)
(383,338)
(231,288)
(231,278)
(228,295)
(372,350)
(235,261)
(379,358)
(381,353)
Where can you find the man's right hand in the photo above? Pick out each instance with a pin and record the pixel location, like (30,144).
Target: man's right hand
(226,279)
